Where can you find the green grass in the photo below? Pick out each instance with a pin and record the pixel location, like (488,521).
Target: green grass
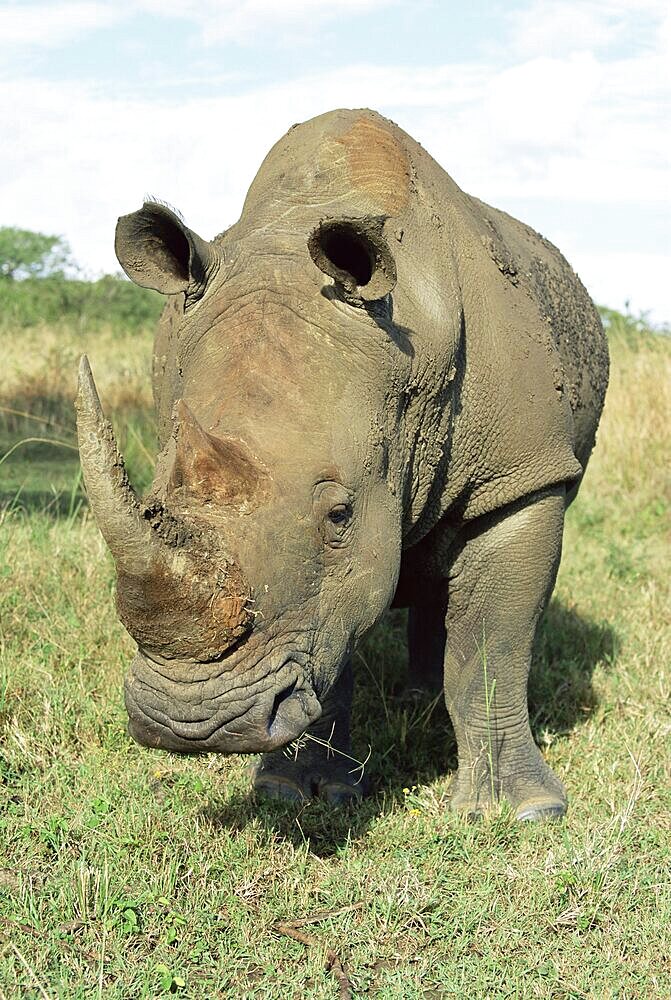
(130,873)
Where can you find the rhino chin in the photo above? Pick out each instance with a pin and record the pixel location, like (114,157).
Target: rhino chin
(277,716)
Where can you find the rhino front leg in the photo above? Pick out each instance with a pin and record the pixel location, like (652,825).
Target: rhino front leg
(313,769)
(498,588)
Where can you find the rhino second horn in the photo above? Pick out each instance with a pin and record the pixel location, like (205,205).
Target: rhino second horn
(112,499)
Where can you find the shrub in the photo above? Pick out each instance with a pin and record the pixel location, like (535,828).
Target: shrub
(110,301)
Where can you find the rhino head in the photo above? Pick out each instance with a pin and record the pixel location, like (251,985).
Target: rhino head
(270,539)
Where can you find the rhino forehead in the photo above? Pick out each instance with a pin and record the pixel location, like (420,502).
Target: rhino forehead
(377,164)
(347,158)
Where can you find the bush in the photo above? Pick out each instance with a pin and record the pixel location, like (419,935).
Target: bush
(110,301)
(636,331)
(25,254)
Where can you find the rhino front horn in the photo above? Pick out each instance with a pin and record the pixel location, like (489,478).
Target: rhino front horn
(113,501)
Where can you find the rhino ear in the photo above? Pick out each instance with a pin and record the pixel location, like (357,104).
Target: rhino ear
(356,254)
(156,250)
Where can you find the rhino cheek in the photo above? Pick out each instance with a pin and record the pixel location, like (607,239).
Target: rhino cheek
(365,590)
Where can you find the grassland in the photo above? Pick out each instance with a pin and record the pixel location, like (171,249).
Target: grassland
(129,873)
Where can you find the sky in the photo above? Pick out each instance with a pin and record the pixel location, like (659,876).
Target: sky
(557,111)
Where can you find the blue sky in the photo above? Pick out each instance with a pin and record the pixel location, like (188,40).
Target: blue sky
(557,112)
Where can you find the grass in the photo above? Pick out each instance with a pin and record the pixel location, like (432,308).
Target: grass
(37,389)
(130,873)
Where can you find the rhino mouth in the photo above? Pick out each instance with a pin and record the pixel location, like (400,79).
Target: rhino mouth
(223,714)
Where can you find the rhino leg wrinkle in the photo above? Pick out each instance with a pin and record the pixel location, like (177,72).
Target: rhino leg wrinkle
(373,389)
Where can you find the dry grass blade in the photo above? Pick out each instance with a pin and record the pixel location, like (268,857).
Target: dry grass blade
(334,965)
(295,747)
(333,961)
(26,965)
(33,440)
(24,927)
(322,915)
(290,928)
(33,416)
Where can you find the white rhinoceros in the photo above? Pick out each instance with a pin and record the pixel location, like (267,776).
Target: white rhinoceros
(372,389)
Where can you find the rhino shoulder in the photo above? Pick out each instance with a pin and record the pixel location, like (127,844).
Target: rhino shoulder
(531,261)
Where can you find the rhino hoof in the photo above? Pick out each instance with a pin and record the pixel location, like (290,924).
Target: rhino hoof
(338,794)
(334,789)
(278,788)
(535,813)
(531,812)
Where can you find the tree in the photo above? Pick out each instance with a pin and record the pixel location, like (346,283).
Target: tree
(24,254)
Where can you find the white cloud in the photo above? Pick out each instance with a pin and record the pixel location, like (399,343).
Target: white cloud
(575,127)
(558,27)
(48,25)
(242,21)
(540,104)
(75,160)
(637,281)
(28,26)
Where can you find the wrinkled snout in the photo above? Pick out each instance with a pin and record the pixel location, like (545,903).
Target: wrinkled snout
(217,712)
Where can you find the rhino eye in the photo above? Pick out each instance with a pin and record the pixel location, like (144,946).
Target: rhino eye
(340,514)
(333,513)
(336,525)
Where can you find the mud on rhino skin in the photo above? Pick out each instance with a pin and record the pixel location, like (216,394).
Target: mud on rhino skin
(372,389)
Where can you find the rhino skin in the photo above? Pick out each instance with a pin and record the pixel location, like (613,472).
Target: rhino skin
(373,389)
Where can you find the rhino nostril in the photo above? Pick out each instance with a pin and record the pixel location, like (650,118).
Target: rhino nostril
(279,700)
